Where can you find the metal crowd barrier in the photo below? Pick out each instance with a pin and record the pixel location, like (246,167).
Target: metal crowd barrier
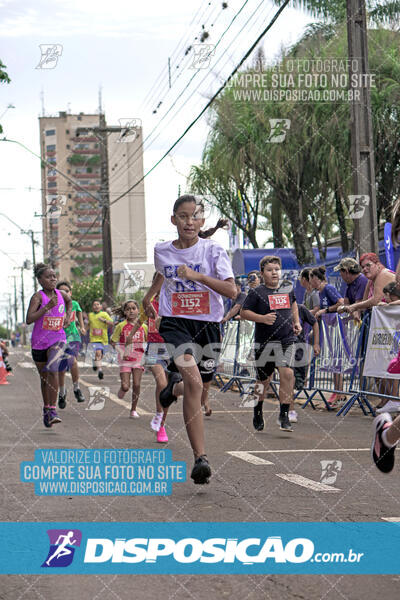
(343,344)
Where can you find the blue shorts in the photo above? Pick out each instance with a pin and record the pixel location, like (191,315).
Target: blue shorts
(70,353)
(97,346)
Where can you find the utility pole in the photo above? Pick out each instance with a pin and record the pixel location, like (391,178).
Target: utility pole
(30,232)
(108,284)
(362,146)
(101,133)
(15,300)
(22,291)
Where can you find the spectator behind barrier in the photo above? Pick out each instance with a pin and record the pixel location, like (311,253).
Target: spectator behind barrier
(350,272)
(379,276)
(311,296)
(253,279)
(330,300)
(391,294)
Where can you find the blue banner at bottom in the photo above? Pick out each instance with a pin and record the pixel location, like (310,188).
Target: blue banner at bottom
(193,548)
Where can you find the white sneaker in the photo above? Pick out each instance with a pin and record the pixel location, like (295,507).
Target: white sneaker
(133,414)
(390,406)
(292,416)
(155,423)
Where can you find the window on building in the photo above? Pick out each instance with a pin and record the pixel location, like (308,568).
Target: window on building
(52,184)
(50,147)
(51,132)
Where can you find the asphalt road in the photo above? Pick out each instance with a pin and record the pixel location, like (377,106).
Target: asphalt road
(263,476)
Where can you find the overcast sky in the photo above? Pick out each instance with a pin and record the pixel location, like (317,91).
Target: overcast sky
(124,47)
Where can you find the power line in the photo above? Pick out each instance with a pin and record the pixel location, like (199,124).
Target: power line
(189,127)
(200,83)
(192,78)
(172,54)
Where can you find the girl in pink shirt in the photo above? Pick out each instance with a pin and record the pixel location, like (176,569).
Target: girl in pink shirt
(50,310)
(130,342)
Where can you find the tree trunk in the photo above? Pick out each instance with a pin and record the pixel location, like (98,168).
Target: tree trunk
(302,243)
(276,222)
(251,234)
(342,222)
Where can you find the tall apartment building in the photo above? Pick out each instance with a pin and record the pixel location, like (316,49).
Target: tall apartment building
(71,210)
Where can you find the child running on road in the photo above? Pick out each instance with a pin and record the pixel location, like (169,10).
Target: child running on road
(274,310)
(130,343)
(74,344)
(50,310)
(197,273)
(156,359)
(98,326)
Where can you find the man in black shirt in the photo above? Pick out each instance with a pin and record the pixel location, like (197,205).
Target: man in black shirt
(273,308)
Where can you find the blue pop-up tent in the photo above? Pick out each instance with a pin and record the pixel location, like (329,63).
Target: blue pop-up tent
(247,260)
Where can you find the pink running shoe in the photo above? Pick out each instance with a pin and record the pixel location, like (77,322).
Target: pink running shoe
(162,437)
(133,414)
(332,400)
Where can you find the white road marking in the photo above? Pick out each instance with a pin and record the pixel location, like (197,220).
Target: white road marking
(311,450)
(307,483)
(26,365)
(391,519)
(250,458)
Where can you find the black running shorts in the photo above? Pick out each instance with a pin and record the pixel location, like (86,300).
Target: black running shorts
(273,355)
(201,339)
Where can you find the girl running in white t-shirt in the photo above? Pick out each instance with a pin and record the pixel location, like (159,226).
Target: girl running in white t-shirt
(197,273)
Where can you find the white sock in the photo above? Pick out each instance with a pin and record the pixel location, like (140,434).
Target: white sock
(62,390)
(384,439)
(159,414)
(76,386)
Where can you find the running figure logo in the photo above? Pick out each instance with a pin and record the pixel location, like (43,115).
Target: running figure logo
(330,470)
(129,129)
(202,56)
(50,55)
(357,206)
(279,129)
(250,394)
(133,279)
(62,547)
(97,397)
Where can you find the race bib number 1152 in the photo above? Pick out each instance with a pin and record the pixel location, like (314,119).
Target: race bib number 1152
(190,303)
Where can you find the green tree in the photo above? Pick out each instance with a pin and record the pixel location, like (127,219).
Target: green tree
(309,173)
(87,291)
(4,78)
(335,10)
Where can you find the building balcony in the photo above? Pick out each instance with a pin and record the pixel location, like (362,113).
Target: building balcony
(83,139)
(86,211)
(85,150)
(86,175)
(94,250)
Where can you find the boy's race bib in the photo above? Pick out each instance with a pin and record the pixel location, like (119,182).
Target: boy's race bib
(97,332)
(190,303)
(278,301)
